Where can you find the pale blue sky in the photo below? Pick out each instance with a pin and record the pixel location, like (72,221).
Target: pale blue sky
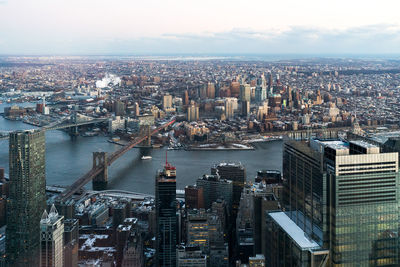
(202,26)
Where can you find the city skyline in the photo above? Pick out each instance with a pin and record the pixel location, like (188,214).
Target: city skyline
(165,27)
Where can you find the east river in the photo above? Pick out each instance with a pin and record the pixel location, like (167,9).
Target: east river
(67,160)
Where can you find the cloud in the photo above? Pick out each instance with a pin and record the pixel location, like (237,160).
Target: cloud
(3,2)
(369,39)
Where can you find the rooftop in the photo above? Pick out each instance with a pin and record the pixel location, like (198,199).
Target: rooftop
(363,143)
(295,232)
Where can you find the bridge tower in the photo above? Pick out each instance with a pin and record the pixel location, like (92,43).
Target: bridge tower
(101,180)
(73,131)
(145,130)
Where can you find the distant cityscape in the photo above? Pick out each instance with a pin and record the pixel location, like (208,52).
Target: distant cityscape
(330,198)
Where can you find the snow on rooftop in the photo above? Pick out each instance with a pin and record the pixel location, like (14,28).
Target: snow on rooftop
(293,230)
(363,143)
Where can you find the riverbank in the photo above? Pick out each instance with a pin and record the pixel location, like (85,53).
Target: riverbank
(220,147)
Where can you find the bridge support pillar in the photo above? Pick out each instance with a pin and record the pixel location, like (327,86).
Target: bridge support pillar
(73,132)
(101,180)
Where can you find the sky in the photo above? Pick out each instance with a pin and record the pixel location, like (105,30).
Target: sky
(148,27)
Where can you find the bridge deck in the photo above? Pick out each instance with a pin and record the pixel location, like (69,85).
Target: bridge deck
(62,126)
(78,184)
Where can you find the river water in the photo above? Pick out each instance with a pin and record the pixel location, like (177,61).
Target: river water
(67,160)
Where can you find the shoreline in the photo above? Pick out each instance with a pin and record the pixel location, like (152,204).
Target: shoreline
(220,148)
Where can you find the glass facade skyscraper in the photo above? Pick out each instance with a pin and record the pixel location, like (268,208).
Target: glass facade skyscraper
(344,196)
(364,200)
(27,198)
(166,216)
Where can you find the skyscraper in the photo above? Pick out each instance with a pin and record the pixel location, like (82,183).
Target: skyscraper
(186,98)
(197,229)
(27,197)
(137,109)
(52,239)
(230,107)
(245,108)
(215,188)
(237,174)
(235,89)
(245,92)
(167,101)
(193,112)
(210,90)
(194,197)
(344,198)
(260,94)
(166,216)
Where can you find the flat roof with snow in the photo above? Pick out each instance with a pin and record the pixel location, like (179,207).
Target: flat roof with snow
(295,232)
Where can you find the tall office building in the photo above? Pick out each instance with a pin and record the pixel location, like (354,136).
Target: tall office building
(197,230)
(245,108)
(245,92)
(341,200)
(270,83)
(215,188)
(260,94)
(237,174)
(166,216)
(52,239)
(27,198)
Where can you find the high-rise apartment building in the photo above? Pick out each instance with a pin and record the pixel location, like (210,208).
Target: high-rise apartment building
(167,102)
(52,239)
(166,221)
(343,197)
(27,197)
(186,98)
(210,90)
(235,89)
(262,111)
(137,109)
(230,104)
(193,112)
